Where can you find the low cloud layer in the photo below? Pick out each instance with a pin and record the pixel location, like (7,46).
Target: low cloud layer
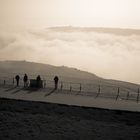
(108,55)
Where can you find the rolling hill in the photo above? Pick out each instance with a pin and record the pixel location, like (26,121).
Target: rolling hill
(32,68)
(66,74)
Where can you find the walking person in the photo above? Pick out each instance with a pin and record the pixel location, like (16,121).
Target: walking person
(17,79)
(56,79)
(25,80)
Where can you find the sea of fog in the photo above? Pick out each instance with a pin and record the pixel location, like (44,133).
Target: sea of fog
(107,54)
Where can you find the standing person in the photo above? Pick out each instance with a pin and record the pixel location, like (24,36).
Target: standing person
(17,79)
(25,80)
(56,79)
(38,79)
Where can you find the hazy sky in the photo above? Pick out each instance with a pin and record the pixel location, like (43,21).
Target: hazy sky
(115,56)
(43,13)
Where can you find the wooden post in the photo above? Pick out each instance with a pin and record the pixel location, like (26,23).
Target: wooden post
(44,85)
(138,95)
(127,97)
(61,85)
(118,93)
(80,87)
(99,91)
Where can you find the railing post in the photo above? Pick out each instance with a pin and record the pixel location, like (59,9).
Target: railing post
(127,97)
(118,93)
(44,85)
(99,91)
(138,95)
(80,87)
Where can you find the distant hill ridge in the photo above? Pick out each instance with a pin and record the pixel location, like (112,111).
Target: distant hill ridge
(116,31)
(43,69)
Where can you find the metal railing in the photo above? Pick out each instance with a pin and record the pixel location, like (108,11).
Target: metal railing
(94,90)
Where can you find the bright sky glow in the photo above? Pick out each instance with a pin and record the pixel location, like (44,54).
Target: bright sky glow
(43,13)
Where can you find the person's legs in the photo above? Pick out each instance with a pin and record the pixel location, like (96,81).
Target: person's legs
(56,85)
(26,84)
(37,84)
(17,83)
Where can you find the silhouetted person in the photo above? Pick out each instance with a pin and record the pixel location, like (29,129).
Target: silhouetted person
(38,79)
(56,79)
(17,79)
(25,80)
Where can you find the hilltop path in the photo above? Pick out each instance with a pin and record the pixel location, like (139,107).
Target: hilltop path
(63,97)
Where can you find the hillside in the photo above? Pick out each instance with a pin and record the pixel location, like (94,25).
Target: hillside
(31,68)
(67,74)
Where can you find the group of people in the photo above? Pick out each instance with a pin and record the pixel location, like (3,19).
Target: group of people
(38,79)
(25,80)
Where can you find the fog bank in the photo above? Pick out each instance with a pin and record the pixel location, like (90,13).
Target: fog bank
(110,55)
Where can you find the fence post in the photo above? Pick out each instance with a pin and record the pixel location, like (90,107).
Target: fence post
(80,87)
(99,91)
(61,85)
(118,93)
(138,95)
(127,97)
(44,84)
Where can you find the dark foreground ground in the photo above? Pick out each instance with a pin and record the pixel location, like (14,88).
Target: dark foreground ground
(25,120)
